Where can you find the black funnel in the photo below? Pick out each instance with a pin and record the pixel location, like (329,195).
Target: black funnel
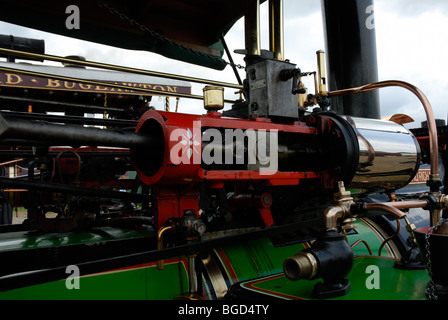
(437,260)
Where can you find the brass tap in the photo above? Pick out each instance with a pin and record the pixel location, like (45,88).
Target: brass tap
(343,201)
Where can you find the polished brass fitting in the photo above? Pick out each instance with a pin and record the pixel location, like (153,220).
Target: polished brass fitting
(349,224)
(343,202)
(303,265)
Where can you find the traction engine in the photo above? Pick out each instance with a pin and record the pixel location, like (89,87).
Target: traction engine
(268,161)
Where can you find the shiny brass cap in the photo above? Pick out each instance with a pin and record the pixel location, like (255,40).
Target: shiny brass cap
(213,98)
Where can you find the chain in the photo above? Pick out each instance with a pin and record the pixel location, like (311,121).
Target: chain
(430,289)
(236,65)
(159,36)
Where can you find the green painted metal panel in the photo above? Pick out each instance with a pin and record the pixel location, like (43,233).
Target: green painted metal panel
(134,283)
(394,284)
(258,258)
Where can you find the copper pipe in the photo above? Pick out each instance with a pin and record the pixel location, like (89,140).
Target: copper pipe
(385,207)
(389,207)
(389,238)
(160,263)
(11,162)
(365,243)
(408,204)
(433,149)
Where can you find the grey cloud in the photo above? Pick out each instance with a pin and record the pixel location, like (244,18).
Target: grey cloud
(414,8)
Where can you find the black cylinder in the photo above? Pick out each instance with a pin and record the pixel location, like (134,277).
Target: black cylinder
(351,55)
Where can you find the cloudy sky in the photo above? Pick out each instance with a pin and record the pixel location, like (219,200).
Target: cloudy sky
(411,40)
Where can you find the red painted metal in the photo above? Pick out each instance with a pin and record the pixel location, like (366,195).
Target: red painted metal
(175,172)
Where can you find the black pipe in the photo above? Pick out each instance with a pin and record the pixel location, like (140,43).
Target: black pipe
(52,134)
(351,55)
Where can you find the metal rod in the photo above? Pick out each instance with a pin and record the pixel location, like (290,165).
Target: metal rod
(105,84)
(252,27)
(232,64)
(95,83)
(118,68)
(60,104)
(276,34)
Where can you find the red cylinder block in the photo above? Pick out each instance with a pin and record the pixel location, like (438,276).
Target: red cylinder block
(181,159)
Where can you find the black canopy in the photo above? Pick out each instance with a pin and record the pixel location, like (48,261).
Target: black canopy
(186,30)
